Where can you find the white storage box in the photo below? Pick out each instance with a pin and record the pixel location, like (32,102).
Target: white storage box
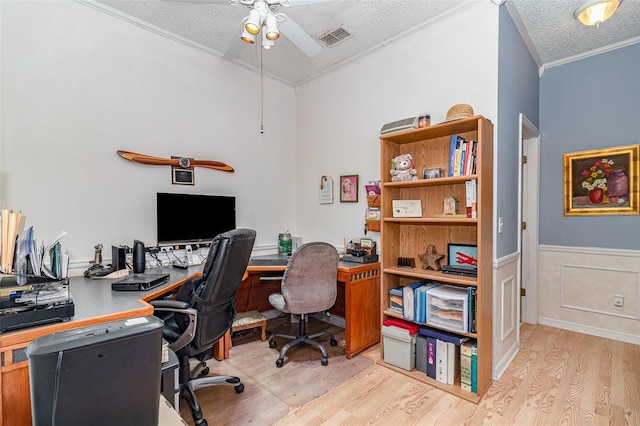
(447,307)
(399,347)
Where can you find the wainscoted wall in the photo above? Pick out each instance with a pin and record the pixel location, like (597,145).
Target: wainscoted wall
(577,288)
(506,313)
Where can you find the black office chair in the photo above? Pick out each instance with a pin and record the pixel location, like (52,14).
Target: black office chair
(309,285)
(203,311)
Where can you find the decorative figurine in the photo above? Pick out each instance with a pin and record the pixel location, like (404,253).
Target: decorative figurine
(431,259)
(451,205)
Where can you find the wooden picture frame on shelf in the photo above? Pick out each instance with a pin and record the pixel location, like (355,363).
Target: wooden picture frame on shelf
(349,189)
(602,182)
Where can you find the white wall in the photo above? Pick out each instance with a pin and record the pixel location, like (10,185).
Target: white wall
(340,114)
(78,84)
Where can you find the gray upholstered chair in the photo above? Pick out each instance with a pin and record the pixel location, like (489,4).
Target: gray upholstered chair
(309,285)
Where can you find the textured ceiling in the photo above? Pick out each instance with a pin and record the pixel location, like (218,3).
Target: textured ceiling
(551,31)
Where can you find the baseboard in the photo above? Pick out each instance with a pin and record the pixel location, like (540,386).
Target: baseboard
(593,331)
(503,364)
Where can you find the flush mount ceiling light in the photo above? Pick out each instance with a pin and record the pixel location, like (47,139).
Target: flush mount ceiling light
(595,12)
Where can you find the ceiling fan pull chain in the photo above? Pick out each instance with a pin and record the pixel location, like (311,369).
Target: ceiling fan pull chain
(261,95)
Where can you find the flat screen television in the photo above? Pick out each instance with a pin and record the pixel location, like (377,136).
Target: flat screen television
(191,218)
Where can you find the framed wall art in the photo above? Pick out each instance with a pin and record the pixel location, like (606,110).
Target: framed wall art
(602,181)
(349,189)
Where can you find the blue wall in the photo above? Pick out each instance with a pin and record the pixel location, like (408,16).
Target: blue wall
(587,104)
(518,92)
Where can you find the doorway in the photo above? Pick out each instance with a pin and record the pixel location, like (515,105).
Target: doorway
(528,218)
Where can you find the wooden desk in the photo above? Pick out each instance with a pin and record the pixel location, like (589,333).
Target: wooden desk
(358,300)
(95,303)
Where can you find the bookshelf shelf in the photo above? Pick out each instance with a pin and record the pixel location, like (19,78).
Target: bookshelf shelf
(409,237)
(454,389)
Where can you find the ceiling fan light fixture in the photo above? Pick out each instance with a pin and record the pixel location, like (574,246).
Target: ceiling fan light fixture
(267,43)
(253,22)
(595,12)
(247,37)
(271,27)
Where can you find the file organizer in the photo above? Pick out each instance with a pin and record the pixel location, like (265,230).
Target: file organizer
(448,308)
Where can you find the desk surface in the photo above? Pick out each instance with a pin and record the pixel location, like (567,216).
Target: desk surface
(279,262)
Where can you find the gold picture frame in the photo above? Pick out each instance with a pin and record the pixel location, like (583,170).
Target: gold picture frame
(349,189)
(602,182)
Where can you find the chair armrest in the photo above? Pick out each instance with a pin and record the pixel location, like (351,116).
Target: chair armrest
(183,308)
(175,304)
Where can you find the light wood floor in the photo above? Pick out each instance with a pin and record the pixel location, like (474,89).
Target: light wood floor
(558,377)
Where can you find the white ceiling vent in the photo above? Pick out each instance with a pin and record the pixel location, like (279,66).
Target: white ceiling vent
(335,36)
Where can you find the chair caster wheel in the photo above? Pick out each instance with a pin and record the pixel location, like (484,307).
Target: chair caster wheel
(205,371)
(272,343)
(324,360)
(279,362)
(334,342)
(204,423)
(239,388)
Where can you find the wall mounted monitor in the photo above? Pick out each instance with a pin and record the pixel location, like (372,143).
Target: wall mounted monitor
(190,218)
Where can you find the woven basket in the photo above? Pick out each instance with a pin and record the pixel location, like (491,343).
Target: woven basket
(459,111)
(373,200)
(373,225)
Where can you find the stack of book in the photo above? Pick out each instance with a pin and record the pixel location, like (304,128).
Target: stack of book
(462,156)
(450,356)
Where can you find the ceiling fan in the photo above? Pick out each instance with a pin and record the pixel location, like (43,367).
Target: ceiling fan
(265,23)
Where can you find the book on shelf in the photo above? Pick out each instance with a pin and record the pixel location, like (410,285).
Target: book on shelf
(421,353)
(455,144)
(474,367)
(465,365)
(442,358)
(471,295)
(472,149)
(471,197)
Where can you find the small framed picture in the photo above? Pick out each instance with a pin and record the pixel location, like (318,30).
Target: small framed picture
(433,173)
(182,176)
(349,189)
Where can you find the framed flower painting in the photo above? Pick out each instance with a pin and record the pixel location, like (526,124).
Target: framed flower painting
(602,181)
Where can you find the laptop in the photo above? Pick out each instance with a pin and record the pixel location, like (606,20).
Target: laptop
(138,282)
(463,260)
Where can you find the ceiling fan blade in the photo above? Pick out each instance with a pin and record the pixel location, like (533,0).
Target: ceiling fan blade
(299,37)
(235,47)
(289,3)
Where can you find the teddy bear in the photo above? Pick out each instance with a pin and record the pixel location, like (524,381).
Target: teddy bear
(402,169)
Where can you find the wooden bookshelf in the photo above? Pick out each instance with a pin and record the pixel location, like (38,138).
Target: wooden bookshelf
(409,237)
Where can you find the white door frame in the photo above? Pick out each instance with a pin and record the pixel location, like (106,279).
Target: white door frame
(528,211)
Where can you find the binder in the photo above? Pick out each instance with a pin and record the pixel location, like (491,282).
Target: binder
(453,362)
(408,300)
(431,357)
(421,353)
(442,358)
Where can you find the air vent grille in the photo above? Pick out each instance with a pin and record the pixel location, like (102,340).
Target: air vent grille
(335,36)
(395,126)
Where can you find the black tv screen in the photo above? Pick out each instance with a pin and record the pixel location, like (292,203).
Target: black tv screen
(189,218)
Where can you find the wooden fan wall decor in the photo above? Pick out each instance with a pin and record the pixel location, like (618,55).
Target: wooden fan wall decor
(181,167)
